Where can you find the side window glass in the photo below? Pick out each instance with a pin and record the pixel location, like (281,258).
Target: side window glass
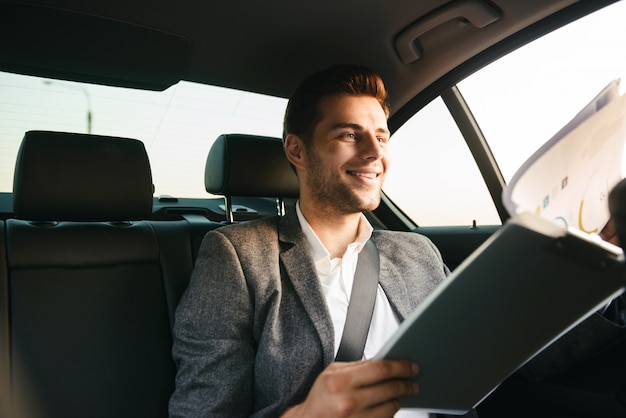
(521,100)
(433,177)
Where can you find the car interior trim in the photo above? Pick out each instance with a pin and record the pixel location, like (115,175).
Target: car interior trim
(477,12)
(476,142)
(101,60)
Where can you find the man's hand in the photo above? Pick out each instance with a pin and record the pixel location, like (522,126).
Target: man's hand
(358,389)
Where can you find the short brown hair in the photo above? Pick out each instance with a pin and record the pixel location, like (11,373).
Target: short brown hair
(302,112)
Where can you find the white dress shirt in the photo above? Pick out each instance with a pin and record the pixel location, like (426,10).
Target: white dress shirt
(336,276)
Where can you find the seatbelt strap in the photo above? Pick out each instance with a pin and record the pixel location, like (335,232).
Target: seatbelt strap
(361,305)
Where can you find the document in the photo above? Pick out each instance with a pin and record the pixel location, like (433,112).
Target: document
(569,178)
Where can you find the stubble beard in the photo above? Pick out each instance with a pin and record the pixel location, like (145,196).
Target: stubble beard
(334,195)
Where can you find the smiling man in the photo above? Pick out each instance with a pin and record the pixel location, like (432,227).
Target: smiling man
(260,325)
(341,165)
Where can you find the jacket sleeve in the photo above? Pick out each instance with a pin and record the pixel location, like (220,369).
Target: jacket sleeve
(213,345)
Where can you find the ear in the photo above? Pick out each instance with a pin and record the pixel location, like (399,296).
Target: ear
(294,150)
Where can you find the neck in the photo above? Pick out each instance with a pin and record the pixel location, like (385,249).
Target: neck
(335,230)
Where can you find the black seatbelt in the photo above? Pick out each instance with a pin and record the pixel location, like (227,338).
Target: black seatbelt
(361,305)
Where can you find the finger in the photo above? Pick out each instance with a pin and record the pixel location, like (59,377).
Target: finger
(370,372)
(385,409)
(387,391)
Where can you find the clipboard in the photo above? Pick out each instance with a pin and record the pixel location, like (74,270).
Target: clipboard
(528,284)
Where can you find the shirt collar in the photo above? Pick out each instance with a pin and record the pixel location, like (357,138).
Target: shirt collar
(319,251)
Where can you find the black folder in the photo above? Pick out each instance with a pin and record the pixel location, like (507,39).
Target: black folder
(528,284)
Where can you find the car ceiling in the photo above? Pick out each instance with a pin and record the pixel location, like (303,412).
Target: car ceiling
(265,47)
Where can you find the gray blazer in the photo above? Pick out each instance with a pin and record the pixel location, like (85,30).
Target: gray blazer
(253,331)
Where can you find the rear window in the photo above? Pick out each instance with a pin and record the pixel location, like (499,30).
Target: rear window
(177,125)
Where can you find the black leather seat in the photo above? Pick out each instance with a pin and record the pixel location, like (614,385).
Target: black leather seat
(91,283)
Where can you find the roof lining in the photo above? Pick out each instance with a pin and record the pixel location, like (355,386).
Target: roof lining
(150,59)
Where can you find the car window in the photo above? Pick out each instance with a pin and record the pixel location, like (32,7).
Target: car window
(177,125)
(521,100)
(433,176)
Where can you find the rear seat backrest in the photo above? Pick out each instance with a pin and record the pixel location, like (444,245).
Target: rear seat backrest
(89,287)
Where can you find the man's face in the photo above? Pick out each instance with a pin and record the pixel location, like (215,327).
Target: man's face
(346,161)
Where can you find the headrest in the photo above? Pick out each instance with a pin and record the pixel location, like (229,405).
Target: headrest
(248,165)
(77,177)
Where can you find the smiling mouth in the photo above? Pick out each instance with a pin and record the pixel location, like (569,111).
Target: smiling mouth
(366,175)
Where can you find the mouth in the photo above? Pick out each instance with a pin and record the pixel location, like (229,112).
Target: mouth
(362,174)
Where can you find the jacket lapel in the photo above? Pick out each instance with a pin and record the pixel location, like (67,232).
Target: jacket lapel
(393,284)
(295,258)
(397,294)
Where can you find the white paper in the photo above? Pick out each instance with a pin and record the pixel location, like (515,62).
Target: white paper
(569,178)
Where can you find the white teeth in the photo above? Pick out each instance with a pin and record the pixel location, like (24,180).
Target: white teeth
(367,175)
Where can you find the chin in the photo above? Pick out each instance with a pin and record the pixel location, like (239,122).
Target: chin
(370,205)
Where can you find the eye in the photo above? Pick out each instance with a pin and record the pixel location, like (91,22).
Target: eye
(383,139)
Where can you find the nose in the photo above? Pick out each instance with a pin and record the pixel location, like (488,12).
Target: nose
(371,147)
